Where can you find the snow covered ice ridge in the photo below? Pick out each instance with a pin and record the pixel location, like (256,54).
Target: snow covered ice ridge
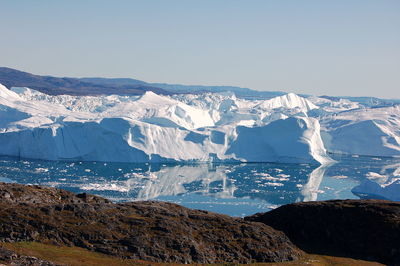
(191,128)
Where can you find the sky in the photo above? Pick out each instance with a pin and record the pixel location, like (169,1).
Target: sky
(341,47)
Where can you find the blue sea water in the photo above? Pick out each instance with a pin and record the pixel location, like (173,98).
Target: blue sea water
(233,189)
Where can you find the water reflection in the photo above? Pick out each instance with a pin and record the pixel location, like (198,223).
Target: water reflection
(235,189)
(311,189)
(178,180)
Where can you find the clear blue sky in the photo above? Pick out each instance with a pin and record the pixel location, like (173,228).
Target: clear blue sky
(337,47)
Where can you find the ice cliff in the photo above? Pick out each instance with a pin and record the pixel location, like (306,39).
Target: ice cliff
(190,128)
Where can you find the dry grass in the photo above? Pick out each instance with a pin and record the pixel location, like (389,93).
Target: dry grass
(75,256)
(320,260)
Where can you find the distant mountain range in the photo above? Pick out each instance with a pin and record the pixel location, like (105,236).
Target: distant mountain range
(178,88)
(107,86)
(71,86)
(127,86)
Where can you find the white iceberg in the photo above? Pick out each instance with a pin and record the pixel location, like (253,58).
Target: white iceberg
(381,186)
(190,128)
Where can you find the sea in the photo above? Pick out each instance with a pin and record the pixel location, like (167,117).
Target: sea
(236,189)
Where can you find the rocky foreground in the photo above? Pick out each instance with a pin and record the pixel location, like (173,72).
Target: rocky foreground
(164,232)
(361,229)
(150,231)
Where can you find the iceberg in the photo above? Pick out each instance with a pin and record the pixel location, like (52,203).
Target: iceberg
(192,127)
(371,132)
(352,128)
(384,185)
(371,190)
(157,128)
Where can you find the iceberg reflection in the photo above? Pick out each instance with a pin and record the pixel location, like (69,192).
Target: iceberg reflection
(177,180)
(311,189)
(272,184)
(235,189)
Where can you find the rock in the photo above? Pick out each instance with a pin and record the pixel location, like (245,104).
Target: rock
(362,229)
(149,230)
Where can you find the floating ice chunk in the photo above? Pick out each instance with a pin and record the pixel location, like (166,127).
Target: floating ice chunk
(274,184)
(41,170)
(339,176)
(105,187)
(373,175)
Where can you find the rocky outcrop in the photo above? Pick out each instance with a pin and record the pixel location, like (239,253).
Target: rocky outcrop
(151,230)
(363,229)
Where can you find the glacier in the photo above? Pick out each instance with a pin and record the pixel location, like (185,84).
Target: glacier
(208,127)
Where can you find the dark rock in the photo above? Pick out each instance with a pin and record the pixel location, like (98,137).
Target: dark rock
(148,230)
(361,229)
